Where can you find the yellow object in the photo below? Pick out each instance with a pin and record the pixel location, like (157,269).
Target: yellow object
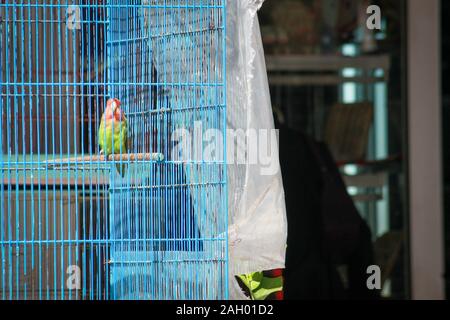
(261,287)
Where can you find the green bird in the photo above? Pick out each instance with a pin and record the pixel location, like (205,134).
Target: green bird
(113,132)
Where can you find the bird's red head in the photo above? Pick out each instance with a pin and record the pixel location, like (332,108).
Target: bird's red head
(113,103)
(113,109)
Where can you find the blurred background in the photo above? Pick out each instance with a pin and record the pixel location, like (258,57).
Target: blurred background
(378,100)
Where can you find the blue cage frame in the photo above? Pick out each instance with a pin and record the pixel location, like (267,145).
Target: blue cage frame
(71,227)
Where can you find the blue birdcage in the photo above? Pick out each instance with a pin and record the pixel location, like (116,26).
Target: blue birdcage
(73,226)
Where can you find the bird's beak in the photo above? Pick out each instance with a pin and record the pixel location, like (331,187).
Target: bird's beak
(114,107)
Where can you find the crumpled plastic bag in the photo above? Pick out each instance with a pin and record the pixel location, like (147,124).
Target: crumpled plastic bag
(257,214)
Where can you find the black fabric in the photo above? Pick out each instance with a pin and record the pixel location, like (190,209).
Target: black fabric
(319,210)
(340,218)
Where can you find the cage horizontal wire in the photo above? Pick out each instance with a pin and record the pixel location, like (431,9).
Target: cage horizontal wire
(113,169)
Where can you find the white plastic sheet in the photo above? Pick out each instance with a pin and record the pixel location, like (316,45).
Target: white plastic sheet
(257,214)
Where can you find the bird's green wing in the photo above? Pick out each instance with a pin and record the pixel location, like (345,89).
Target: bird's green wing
(101,135)
(125,136)
(120,138)
(121,144)
(105,136)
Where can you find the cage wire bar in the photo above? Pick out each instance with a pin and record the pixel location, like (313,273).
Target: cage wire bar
(71,226)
